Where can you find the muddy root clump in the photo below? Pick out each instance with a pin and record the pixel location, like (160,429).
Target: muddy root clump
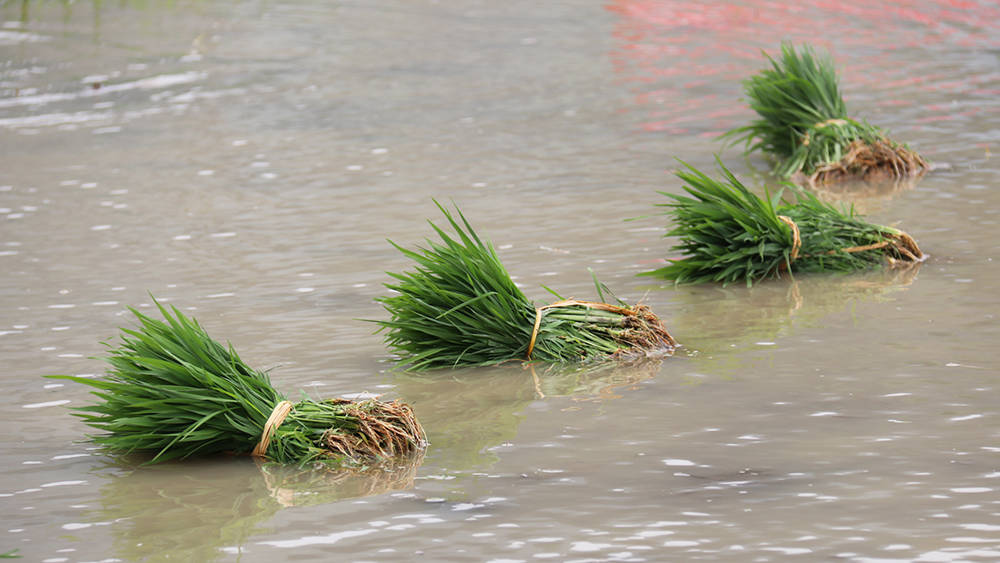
(379,430)
(875,160)
(645,335)
(903,250)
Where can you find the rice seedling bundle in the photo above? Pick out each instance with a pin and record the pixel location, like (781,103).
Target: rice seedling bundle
(803,122)
(460,307)
(174,392)
(729,234)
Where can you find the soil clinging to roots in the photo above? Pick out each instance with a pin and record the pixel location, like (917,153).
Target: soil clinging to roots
(380,429)
(644,336)
(866,160)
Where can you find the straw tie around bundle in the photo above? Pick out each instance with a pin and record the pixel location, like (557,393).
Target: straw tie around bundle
(820,125)
(796,236)
(623,311)
(832,121)
(900,241)
(540,311)
(278,415)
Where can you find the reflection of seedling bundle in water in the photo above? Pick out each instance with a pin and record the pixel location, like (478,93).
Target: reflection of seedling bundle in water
(460,307)
(596,382)
(729,234)
(804,124)
(468,413)
(863,193)
(174,392)
(733,318)
(292,486)
(201,510)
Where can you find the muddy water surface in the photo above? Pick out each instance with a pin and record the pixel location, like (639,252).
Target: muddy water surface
(246,161)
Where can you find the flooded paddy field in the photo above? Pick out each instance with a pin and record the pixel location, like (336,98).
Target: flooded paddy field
(246,162)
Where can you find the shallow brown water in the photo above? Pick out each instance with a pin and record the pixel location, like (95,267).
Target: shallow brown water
(246,162)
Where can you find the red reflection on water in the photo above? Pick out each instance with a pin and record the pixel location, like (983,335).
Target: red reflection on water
(684,60)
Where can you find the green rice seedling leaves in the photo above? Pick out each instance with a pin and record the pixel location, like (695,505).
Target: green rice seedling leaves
(804,124)
(460,307)
(171,391)
(728,234)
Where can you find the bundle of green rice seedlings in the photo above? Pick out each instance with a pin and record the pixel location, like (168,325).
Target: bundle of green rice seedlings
(174,392)
(460,307)
(729,234)
(804,124)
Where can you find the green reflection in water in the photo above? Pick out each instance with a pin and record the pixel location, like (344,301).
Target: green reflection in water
(193,511)
(70,11)
(26,7)
(716,323)
(864,195)
(467,413)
